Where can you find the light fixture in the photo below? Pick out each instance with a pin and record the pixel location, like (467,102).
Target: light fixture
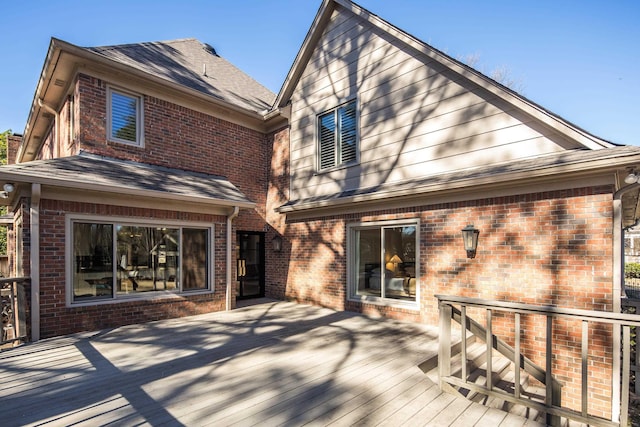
(632,178)
(395,260)
(470,239)
(8,188)
(276,242)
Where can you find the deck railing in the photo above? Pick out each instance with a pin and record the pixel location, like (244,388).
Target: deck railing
(13,310)
(448,305)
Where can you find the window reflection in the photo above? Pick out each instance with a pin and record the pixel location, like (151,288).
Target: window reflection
(385,260)
(147,259)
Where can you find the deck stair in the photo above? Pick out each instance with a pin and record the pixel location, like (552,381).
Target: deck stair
(502,378)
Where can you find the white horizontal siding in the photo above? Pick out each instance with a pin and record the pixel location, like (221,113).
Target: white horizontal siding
(417,118)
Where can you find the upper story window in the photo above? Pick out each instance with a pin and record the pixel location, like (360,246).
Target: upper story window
(125,117)
(338,136)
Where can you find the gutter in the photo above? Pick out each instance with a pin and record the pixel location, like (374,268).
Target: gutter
(229,293)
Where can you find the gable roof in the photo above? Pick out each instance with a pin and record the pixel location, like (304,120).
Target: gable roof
(323,17)
(92,173)
(193,64)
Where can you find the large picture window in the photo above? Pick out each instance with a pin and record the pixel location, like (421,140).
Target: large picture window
(338,136)
(120,260)
(125,117)
(384,262)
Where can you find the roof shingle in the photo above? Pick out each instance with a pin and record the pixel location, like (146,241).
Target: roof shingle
(195,65)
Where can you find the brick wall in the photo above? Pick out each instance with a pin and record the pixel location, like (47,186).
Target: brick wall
(542,248)
(13,145)
(178,137)
(277,264)
(57,319)
(181,138)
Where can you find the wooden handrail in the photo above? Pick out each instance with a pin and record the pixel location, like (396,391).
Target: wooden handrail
(545,310)
(4,280)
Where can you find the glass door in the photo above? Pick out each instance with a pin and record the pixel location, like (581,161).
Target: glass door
(250,265)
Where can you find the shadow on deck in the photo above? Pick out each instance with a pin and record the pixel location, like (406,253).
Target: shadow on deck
(272,363)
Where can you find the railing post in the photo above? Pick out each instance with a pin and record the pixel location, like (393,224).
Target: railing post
(489,341)
(552,393)
(463,331)
(624,404)
(444,348)
(516,358)
(585,367)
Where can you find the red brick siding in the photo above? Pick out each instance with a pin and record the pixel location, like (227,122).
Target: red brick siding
(13,145)
(57,319)
(277,264)
(181,138)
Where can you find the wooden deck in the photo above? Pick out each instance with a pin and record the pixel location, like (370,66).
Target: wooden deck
(271,364)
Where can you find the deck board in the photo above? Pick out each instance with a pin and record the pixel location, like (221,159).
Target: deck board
(273,363)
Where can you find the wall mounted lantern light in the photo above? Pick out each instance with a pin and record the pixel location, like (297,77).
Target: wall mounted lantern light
(276,242)
(470,238)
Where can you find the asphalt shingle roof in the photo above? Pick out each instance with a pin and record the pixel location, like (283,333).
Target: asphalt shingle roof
(193,64)
(102,173)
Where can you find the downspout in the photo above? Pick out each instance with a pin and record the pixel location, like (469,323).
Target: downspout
(230,219)
(34,259)
(56,115)
(618,277)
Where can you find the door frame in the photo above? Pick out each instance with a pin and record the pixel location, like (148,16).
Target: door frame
(261,264)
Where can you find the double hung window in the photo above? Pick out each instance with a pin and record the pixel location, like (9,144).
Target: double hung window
(384,261)
(125,117)
(338,136)
(111,260)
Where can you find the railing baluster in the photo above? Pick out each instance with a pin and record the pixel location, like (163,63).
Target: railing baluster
(548,399)
(489,341)
(585,365)
(516,359)
(463,317)
(637,361)
(626,345)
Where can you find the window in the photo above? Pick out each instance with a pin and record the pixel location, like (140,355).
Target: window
(120,260)
(384,262)
(338,136)
(125,117)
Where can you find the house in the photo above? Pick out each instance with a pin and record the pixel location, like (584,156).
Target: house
(156,180)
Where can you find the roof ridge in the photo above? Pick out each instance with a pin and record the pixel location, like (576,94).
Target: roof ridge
(113,46)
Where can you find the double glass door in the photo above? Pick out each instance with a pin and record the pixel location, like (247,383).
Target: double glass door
(250,265)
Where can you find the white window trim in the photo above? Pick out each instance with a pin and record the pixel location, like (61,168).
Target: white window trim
(139,117)
(351,253)
(70,219)
(343,165)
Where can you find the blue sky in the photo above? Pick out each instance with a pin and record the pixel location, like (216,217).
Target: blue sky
(578,59)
